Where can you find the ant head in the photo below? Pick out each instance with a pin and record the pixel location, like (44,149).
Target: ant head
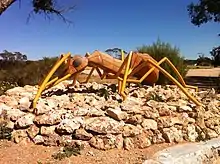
(77,64)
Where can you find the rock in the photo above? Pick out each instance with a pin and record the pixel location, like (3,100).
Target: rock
(4,107)
(51,140)
(192,135)
(25,121)
(106,142)
(134,119)
(164,110)
(87,117)
(128,143)
(81,111)
(10,125)
(150,112)
(68,126)
(212,122)
(131,130)
(157,138)
(104,125)
(13,103)
(81,134)
(180,119)
(50,118)
(211,134)
(66,140)
(41,108)
(94,112)
(217,129)
(184,108)
(149,124)
(165,122)
(47,130)
(15,91)
(19,135)
(38,139)
(142,141)
(24,104)
(4,99)
(201,134)
(172,135)
(14,114)
(52,103)
(117,114)
(33,131)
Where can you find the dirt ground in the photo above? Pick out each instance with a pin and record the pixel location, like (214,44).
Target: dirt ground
(28,153)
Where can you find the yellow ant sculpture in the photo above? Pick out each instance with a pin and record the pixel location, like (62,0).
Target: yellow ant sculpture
(135,68)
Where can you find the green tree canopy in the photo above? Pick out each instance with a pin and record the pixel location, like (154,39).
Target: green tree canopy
(204,11)
(116,52)
(216,56)
(10,56)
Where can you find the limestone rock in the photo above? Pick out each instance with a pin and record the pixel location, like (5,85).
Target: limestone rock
(142,141)
(50,118)
(106,142)
(38,139)
(150,112)
(47,130)
(192,135)
(128,143)
(149,124)
(19,135)
(131,130)
(81,134)
(24,104)
(33,131)
(68,126)
(104,125)
(25,121)
(14,114)
(134,119)
(172,135)
(117,114)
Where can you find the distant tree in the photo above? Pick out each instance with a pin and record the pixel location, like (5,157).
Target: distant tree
(204,11)
(39,6)
(216,56)
(19,56)
(115,52)
(203,60)
(9,56)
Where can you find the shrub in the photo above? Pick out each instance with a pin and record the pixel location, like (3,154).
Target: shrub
(159,50)
(21,73)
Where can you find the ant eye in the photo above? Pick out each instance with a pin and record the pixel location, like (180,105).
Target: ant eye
(77,62)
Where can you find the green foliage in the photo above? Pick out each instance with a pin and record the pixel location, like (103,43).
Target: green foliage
(5,132)
(116,52)
(204,11)
(216,56)
(159,50)
(68,151)
(10,56)
(204,61)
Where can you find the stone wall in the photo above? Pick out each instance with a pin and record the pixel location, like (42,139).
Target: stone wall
(94,115)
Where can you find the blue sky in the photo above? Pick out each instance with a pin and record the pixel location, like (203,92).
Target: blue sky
(99,24)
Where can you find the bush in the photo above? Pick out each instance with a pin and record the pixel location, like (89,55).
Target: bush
(21,73)
(159,50)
